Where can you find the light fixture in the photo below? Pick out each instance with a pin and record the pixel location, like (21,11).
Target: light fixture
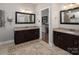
(9,19)
(64,7)
(26,11)
(71,5)
(77,3)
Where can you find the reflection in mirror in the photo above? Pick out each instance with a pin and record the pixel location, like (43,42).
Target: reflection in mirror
(2,18)
(69,16)
(22,18)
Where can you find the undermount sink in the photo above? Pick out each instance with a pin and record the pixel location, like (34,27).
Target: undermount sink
(26,27)
(72,30)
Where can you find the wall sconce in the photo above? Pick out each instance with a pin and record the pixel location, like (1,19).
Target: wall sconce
(9,19)
(26,11)
(71,5)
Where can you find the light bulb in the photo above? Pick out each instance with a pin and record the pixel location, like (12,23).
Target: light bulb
(71,5)
(64,7)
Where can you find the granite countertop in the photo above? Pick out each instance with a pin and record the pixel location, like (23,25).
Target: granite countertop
(69,31)
(25,28)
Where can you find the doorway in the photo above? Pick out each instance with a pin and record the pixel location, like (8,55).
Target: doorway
(45,24)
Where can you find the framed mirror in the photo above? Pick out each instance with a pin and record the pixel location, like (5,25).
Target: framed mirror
(24,18)
(70,16)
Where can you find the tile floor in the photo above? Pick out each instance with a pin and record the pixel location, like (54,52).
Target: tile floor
(36,47)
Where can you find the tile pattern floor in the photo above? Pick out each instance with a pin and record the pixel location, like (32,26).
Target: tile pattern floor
(36,47)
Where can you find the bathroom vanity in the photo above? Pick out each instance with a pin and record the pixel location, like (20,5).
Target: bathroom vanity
(24,34)
(67,39)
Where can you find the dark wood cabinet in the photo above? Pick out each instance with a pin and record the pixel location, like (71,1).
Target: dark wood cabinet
(26,35)
(67,42)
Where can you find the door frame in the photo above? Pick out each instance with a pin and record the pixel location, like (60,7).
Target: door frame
(48,23)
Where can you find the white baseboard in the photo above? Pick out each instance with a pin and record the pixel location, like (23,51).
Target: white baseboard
(6,42)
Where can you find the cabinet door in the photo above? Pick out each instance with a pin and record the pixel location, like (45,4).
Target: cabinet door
(36,34)
(75,49)
(57,39)
(31,34)
(63,40)
(68,40)
(27,35)
(19,37)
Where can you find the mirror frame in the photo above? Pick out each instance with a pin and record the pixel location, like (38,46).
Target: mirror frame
(64,11)
(23,22)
